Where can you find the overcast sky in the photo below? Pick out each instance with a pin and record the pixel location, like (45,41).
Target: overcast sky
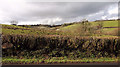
(55,12)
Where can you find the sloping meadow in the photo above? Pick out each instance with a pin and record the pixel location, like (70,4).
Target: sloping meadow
(59,46)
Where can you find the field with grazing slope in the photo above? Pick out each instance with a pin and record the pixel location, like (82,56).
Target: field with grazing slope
(88,42)
(19,30)
(72,30)
(109,27)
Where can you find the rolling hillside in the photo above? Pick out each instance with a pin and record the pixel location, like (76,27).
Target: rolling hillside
(109,27)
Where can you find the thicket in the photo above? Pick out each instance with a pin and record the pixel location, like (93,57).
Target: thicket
(58,46)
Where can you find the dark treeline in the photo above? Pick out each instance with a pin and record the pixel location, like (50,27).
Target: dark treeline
(65,24)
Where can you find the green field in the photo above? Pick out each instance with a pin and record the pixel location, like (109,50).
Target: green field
(11,29)
(105,24)
(74,29)
(108,27)
(57,60)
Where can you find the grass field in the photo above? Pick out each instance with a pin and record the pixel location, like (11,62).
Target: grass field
(105,24)
(56,60)
(108,27)
(11,29)
(74,29)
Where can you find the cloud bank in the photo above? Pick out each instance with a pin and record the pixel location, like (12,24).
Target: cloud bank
(55,12)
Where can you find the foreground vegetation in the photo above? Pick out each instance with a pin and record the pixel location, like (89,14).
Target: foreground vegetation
(70,47)
(72,43)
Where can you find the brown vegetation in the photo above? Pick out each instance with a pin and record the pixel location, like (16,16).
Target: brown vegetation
(7,45)
(58,46)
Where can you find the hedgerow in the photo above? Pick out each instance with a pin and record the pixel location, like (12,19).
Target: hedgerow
(60,46)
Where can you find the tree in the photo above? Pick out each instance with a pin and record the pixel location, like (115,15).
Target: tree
(100,26)
(14,22)
(84,20)
(87,27)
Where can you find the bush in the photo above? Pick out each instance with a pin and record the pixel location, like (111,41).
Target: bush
(57,46)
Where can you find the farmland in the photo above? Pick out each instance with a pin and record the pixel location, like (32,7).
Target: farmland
(77,42)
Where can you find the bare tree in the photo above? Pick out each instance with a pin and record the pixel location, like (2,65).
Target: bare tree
(84,20)
(87,27)
(14,22)
(100,27)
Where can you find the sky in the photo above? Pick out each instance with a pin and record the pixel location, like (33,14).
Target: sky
(52,13)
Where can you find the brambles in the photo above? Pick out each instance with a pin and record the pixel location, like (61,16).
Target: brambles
(7,45)
(57,46)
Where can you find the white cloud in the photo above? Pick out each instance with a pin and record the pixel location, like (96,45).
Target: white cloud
(113,18)
(42,21)
(51,20)
(104,17)
(113,10)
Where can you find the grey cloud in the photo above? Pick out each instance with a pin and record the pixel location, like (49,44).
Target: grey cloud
(68,11)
